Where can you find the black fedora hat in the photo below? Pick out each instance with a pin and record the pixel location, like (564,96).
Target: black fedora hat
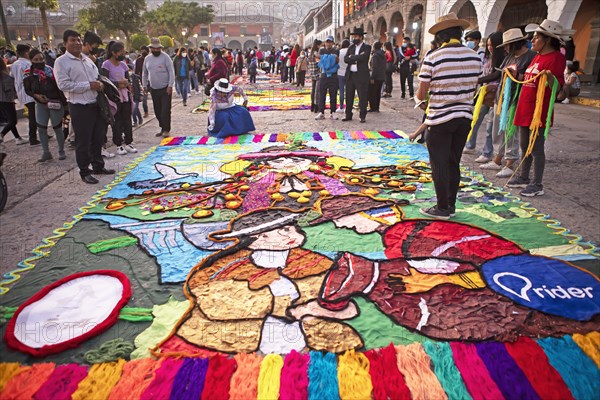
(358,31)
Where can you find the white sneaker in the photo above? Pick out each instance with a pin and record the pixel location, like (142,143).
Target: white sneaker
(130,149)
(340,111)
(505,172)
(566,101)
(320,116)
(121,150)
(21,141)
(106,153)
(482,159)
(491,165)
(334,117)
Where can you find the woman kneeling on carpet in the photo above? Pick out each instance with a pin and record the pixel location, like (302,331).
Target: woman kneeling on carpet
(225,118)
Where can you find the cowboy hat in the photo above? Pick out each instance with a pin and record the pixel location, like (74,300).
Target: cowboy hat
(548,28)
(223,85)
(258,222)
(155,44)
(511,36)
(341,206)
(448,21)
(358,31)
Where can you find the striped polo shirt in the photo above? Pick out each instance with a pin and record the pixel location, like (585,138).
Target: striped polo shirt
(452,72)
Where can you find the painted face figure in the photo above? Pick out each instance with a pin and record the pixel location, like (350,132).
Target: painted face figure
(360,222)
(291,165)
(284,238)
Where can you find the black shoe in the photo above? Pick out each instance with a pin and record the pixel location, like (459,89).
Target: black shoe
(159,134)
(184,104)
(373,111)
(104,171)
(435,212)
(533,190)
(89,179)
(362,120)
(517,182)
(34,142)
(346,119)
(452,210)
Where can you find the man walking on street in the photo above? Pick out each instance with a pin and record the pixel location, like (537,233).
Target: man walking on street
(138,69)
(77,76)
(17,71)
(329,64)
(159,74)
(357,74)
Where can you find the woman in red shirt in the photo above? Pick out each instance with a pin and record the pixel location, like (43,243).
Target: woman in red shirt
(218,70)
(546,42)
(293,57)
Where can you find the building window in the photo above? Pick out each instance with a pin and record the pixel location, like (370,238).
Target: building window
(203,31)
(222,29)
(244,30)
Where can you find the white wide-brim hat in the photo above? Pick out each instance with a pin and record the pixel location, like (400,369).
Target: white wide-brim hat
(549,28)
(511,36)
(223,85)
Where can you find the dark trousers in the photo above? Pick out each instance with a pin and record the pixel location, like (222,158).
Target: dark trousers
(328,84)
(375,94)
(201,77)
(445,143)
(240,69)
(162,108)
(361,87)
(9,111)
(122,126)
(291,74)
(32,121)
(389,82)
(284,73)
(537,156)
(271,67)
(252,78)
(90,128)
(301,78)
(314,93)
(407,75)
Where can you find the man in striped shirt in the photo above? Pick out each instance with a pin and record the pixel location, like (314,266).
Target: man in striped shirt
(449,76)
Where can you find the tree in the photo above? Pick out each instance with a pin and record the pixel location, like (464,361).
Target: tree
(138,40)
(166,41)
(118,15)
(86,23)
(43,6)
(173,17)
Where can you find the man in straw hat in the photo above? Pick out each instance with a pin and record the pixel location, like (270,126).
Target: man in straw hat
(158,73)
(547,39)
(449,76)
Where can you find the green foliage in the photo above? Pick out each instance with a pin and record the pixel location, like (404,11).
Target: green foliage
(166,41)
(172,17)
(2,42)
(85,23)
(138,40)
(50,5)
(118,15)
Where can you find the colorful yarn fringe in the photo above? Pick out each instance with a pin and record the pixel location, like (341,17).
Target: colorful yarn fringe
(590,344)
(549,368)
(477,109)
(414,364)
(269,377)
(294,377)
(353,376)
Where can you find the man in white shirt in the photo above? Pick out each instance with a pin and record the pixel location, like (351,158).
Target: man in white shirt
(17,70)
(77,76)
(158,73)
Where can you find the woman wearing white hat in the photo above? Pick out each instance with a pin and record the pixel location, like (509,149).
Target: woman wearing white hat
(546,42)
(225,118)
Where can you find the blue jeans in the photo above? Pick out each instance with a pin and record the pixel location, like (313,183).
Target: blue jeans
(194,80)
(42,115)
(137,115)
(183,87)
(472,143)
(342,87)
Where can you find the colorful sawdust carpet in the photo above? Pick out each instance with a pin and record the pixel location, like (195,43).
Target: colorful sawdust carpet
(298,266)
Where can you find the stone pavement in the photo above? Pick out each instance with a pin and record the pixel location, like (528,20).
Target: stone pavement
(44,196)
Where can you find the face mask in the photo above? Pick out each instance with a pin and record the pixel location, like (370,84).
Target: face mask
(156,53)
(356,41)
(121,58)
(529,45)
(471,45)
(184,55)
(40,65)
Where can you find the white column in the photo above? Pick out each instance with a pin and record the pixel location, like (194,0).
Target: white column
(563,11)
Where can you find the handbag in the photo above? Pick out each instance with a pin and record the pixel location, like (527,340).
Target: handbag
(490,95)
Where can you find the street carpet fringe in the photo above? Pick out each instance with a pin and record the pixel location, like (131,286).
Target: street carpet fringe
(218,378)
(100,381)
(25,383)
(377,374)
(576,368)
(109,351)
(190,379)
(353,376)
(535,365)
(62,383)
(160,387)
(43,250)
(414,364)
(322,376)
(268,378)
(590,344)
(505,372)
(244,382)
(446,371)
(8,371)
(477,379)
(294,378)
(395,383)
(136,376)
